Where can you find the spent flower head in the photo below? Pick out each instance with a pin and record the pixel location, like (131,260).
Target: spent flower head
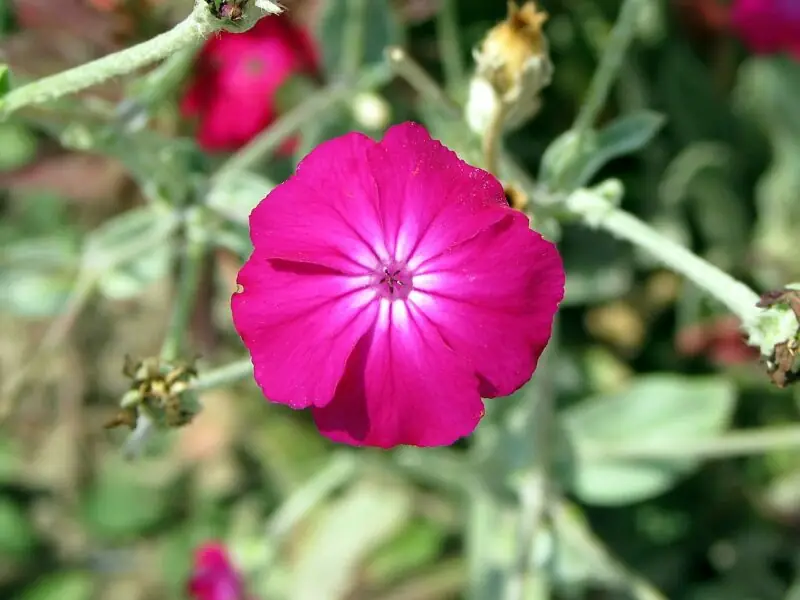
(160,395)
(776,332)
(391,287)
(512,66)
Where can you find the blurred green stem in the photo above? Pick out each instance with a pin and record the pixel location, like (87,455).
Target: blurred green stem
(353,48)
(340,470)
(737,443)
(449,48)
(191,264)
(225,375)
(600,213)
(534,487)
(196,27)
(269,140)
(493,138)
(619,41)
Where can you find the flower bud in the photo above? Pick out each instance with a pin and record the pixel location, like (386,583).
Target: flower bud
(512,66)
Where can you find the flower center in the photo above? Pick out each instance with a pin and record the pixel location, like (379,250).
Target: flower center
(393,281)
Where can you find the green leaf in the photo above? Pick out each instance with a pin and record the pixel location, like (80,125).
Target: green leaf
(361,521)
(570,163)
(5,80)
(70,585)
(126,500)
(415,547)
(575,557)
(235,195)
(130,251)
(18,145)
(655,409)
(36,277)
(17,537)
(358,30)
(10,462)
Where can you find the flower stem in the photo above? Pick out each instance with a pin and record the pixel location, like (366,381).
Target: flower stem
(197,26)
(225,375)
(598,212)
(191,267)
(611,61)
(291,122)
(449,47)
(493,138)
(535,489)
(737,443)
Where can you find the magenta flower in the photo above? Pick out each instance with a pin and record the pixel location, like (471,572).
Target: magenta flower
(769,26)
(391,287)
(232,91)
(214,577)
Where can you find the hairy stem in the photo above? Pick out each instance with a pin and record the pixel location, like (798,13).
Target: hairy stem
(598,212)
(617,46)
(224,375)
(736,443)
(194,250)
(197,26)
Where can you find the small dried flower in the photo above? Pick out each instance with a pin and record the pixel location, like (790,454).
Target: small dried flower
(512,66)
(159,389)
(776,332)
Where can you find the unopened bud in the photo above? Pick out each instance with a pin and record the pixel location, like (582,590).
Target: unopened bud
(512,66)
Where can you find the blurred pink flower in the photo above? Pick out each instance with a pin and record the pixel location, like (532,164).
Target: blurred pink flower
(213,576)
(391,287)
(232,91)
(769,26)
(720,340)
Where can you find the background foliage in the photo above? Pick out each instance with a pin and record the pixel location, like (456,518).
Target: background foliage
(647,495)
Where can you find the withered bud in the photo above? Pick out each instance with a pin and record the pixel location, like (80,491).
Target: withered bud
(776,331)
(512,66)
(159,390)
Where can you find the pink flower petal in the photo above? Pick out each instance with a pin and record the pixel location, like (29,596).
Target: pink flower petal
(327,213)
(232,91)
(493,299)
(214,577)
(429,198)
(403,385)
(300,323)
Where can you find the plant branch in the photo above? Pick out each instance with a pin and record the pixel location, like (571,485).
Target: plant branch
(196,27)
(595,211)
(227,374)
(616,48)
(449,47)
(737,443)
(194,251)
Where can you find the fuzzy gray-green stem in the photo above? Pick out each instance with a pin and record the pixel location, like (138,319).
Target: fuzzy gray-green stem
(192,30)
